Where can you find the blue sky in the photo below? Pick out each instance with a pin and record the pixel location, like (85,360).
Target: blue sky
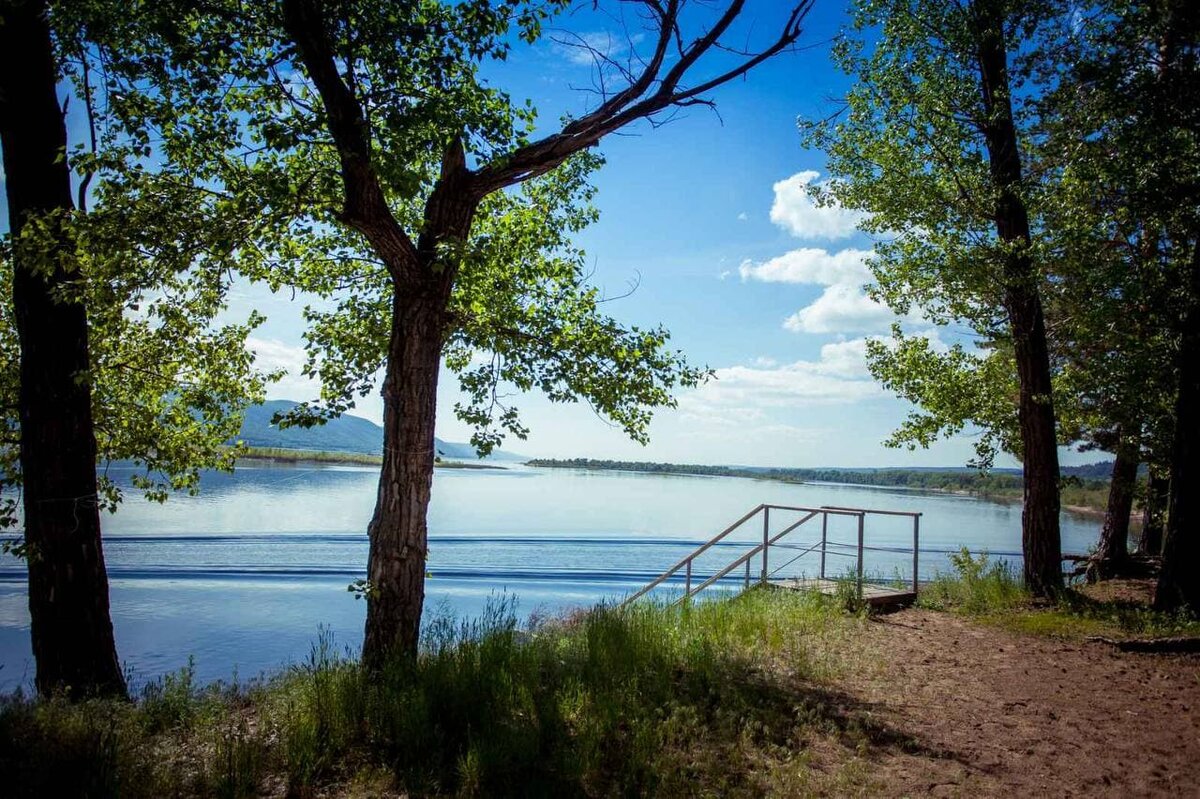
(687,213)
(707,214)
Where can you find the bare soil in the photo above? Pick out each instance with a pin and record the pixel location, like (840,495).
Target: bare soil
(987,712)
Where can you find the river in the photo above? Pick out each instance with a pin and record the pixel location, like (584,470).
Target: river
(245,577)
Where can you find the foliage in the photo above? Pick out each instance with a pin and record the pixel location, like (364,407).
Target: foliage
(977,586)
(169,374)
(234,104)
(1085,491)
(908,148)
(990,591)
(644,700)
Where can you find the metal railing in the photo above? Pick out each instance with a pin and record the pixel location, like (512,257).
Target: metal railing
(826,546)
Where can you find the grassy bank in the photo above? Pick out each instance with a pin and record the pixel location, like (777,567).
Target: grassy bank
(282,455)
(724,697)
(991,591)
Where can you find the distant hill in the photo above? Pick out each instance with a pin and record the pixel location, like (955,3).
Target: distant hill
(344,434)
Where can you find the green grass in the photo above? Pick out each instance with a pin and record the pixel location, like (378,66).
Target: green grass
(361,458)
(720,698)
(992,592)
(310,456)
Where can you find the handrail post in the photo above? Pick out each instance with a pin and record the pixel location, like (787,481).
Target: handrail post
(747,585)
(861,518)
(824,532)
(688,582)
(916,549)
(766,540)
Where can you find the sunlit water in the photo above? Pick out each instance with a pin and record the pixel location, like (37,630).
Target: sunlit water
(245,576)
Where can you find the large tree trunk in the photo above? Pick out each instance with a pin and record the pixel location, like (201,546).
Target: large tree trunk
(1158,493)
(1040,535)
(68,585)
(398,530)
(1112,557)
(1179,580)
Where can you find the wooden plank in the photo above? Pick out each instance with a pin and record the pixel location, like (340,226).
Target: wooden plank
(873,593)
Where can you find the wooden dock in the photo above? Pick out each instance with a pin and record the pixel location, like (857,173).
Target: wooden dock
(765,567)
(874,594)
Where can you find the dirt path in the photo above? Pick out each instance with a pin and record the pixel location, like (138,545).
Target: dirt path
(993,713)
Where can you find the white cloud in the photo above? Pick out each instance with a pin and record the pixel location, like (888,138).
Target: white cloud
(841,308)
(272,354)
(587,49)
(846,358)
(745,393)
(795,211)
(724,274)
(811,265)
(743,216)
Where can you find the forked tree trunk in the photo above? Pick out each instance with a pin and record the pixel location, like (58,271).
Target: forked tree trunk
(398,530)
(1158,493)
(1179,580)
(1112,556)
(68,586)
(1040,535)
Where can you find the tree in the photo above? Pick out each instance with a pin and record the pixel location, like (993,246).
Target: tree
(929,145)
(108,349)
(371,122)
(68,585)
(1131,116)
(1114,297)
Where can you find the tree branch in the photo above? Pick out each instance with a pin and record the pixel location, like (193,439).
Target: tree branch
(649,93)
(365,207)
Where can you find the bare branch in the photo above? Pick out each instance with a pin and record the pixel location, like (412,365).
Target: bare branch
(647,94)
(365,206)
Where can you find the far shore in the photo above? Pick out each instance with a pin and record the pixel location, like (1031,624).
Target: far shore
(302,456)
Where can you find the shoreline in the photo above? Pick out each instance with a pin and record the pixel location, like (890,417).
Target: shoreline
(325,457)
(991,494)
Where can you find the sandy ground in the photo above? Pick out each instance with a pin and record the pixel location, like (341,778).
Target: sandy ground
(980,711)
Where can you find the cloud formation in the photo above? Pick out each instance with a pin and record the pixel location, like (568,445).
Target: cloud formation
(795,211)
(747,392)
(811,265)
(841,308)
(597,47)
(272,354)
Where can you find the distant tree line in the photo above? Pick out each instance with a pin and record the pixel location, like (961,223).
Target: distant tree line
(959,480)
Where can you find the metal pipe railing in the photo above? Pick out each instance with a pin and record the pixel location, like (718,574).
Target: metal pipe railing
(687,561)
(825,511)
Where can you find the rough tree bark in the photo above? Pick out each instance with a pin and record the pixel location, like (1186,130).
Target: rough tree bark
(68,586)
(1179,581)
(1040,534)
(1112,556)
(422,283)
(1158,493)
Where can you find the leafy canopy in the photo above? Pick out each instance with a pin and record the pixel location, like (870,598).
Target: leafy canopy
(225,93)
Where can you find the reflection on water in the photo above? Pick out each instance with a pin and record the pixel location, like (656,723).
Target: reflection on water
(242,576)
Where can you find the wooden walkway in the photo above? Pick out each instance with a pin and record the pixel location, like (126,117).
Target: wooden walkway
(874,594)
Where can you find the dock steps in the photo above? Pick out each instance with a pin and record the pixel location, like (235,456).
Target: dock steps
(873,594)
(758,559)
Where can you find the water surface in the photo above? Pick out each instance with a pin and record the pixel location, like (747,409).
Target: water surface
(245,576)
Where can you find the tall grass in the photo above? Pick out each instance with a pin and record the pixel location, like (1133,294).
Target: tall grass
(992,591)
(978,585)
(644,700)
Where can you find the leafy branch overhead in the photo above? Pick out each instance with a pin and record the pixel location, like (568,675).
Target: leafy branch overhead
(381,162)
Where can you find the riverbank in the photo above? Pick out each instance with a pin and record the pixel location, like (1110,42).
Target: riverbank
(1085,496)
(772,693)
(280,455)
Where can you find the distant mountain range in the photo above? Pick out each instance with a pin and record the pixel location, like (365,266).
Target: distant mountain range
(345,434)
